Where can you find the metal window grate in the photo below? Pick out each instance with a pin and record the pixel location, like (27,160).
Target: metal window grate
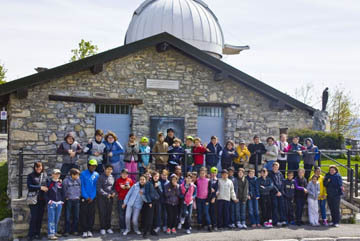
(210,111)
(112,109)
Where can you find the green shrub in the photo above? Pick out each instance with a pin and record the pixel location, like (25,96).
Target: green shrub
(323,140)
(5,211)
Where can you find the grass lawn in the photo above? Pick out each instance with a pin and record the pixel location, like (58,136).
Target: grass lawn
(4,201)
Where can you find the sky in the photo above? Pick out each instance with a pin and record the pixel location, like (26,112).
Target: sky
(292,43)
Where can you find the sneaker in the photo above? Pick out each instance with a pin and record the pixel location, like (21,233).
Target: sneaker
(157,230)
(182,220)
(279,224)
(85,235)
(52,237)
(179,226)
(126,232)
(266,224)
(259,225)
(253,225)
(76,233)
(173,231)
(188,231)
(66,234)
(284,223)
(109,231)
(270,223)
(209,228)
(292,223)
(244,225)
(168,231)
(138,232)
(154,233)
(325,222)
(102,232)
(239,225)
(58,235)
(336,225)
(90,234)
(215,228)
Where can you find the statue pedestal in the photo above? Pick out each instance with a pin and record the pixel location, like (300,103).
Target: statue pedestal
(321,121)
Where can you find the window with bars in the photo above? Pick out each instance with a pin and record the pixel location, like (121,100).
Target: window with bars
(210,111)
(112,109)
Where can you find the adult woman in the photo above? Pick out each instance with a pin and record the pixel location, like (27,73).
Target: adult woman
(334,189)
(36,183)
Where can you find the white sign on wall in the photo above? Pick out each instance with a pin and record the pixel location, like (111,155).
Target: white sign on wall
(162,84)
(3,115)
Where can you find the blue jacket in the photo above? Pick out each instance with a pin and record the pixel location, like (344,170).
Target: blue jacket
(163,183)
(334,186)
(212,157)
(175,159)
(55,192)
(150,193)
(133,197)
(116,150)
(227,158)
(265,185)
(253,187)
(88,184)
(144,158)
(294,156)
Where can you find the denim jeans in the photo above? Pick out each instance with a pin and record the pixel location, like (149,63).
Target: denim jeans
(54,213)
(253,205)
(203,210)
(72,213)
(234,212)
(278,214)
(132,214)
(187,213)
(322,204)
(121,212)
(223,213)
(242,212)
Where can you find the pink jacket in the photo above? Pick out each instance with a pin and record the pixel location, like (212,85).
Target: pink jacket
(202,188)
(188,198)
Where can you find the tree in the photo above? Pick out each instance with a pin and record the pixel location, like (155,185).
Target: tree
(2,74)
(305,93)
(86,49)
(343,113)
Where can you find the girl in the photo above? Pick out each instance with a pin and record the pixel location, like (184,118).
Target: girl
(300,195)
(271,153)
(147,212)
(188,192)
(313,193)
(144,160)
(322,196)
(253,197)
(265,185)
(133,203)
(156,203)
(242,196)
(131,156)
(163,181)
(172,196)
(202,199)
(228,155)
(113,151)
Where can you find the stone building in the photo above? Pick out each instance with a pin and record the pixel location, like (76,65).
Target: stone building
(168,73)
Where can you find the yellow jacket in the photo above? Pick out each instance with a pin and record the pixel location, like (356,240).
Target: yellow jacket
(244,155)
(322,187)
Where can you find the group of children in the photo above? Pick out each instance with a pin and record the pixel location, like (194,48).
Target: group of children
(165,199)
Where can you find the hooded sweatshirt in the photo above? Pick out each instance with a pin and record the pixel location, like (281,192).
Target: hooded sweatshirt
(243,155)
(93,147)
(116,149)
(228,157)
(64,148)
(131,152)
(72,188)
(88,184)
(313,190)
(311,158)
(144,158)
(333,184)
(105,185)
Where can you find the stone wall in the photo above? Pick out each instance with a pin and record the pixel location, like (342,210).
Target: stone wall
(3,147)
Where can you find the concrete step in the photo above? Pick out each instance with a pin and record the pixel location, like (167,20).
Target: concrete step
(319,239)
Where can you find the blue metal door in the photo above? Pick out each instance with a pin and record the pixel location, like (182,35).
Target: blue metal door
(211,123)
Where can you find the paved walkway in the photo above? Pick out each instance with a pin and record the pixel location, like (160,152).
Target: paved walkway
(290,233)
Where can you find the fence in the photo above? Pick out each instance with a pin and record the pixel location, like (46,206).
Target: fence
(352,178)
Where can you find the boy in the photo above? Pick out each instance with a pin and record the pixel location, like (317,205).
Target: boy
(200,150)
(88,179)
(311,155)
(271,153)
(214,187)
(289,193)
(175,157)
(253,197)
(69,149)
(96,149)
(294,151)
(228,155)
(242,196)
(163,181)
(242,160)
(170,136)
(161,146)
(213,156)
(105,195)
(300,195)
(72,193)
(234,207)
(55,200)
(178,173)
(257,149)
(188,149)
(277,199)
(122,186)
(144,160)
(265,186)
(282,158)
(225,194)
(202,199)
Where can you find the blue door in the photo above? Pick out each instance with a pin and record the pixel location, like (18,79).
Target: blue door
(211,123)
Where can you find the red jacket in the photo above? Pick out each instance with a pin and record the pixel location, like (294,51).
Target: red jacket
(199,159)
(122,192)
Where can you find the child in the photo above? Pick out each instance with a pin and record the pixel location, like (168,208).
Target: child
(105,195)
(311,155)
(271,153)
(253,197)
(88,179)
(228,155)
(150,196)
(144,160)
(214,187)
(322,196)
(96,149)
(133,203)
(289,194)
(213,156)
(175,155)
(243,156)
(131,156)
(188,149)
(161,146)
(199,150)
(155,181)
(257,149)
(300,195)
(225,194)
(242,196)
(172,197)
(313,194)
(202,199)
(282,158)
(234,207)
(295,152)
(194,177)
(163,181)
(69,149)
(113,152)
(265,185)
(277,199)
(188,191)
(55,200)
(72,193)
(122,187)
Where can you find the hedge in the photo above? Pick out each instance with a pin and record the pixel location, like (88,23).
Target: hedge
(323,140)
